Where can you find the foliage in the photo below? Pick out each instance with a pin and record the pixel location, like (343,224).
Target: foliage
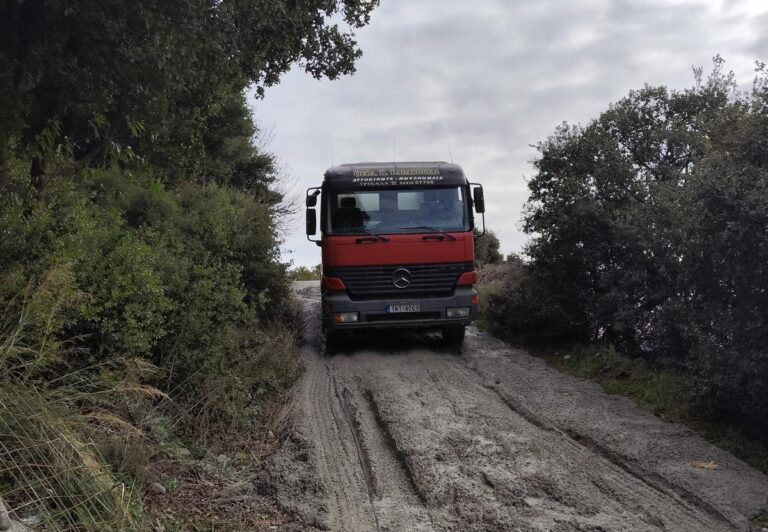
(304,273)
(492,278)
(661,392)
(649,229)
(53,472)
(173,69)
(761,519)
(54,469)
(664,391)
(487,248)
(138,206)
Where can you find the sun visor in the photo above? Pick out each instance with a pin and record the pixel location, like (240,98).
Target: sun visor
(391,175)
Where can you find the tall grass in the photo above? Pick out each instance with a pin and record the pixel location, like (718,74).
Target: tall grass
(235,402)
(56,478)
(51,475)
(81,441)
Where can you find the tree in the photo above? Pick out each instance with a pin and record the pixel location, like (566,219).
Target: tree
(596,193)
(305,273)
(649,234)
(515,259)
(140,223)
(108,70)
(487,249)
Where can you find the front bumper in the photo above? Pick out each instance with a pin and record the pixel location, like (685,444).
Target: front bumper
(373,313)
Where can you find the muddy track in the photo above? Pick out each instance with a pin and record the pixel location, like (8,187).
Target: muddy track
(395,433)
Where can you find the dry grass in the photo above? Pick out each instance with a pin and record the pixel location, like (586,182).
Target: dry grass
(504,272)
(233,406)
(217,491)
(49,472)
(56,478)
(199,498)
(80,449)
(492,278)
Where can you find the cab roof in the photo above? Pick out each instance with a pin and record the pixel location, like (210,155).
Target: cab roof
(370,174)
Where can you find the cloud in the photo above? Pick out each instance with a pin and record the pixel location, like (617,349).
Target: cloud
(490,78)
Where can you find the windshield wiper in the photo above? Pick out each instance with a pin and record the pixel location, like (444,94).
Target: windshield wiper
(373,235)
(433,229)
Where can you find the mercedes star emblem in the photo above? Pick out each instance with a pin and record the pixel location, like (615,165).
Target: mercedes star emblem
(401,278)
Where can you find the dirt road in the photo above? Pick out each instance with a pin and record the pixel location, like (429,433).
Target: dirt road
(397,433)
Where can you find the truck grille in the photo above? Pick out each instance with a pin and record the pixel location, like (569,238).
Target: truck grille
(426,280)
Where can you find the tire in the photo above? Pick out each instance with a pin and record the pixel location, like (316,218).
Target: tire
(453,335)
(332,341)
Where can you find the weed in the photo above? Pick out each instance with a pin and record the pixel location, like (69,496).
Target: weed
(50,472)
(761,519)
(658,391)
(493,278)
(661,391)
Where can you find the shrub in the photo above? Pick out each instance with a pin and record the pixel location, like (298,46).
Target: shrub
(47,467)
(304,273)
(649,235)
(135,193)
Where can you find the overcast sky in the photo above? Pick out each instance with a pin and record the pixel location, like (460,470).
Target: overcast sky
(489,78)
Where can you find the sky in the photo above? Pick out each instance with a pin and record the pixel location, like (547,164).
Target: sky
(486,80)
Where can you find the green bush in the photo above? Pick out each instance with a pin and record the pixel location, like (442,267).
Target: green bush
(183,277)
(139,242)
(649,235)
(49,469)
(303,273)
(487,248)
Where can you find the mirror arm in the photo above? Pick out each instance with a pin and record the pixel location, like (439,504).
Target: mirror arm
(311,199)
(478,235)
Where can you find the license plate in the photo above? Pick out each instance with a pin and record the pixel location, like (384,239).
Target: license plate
(392,309)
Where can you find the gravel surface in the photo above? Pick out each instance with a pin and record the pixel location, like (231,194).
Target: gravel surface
(397,433)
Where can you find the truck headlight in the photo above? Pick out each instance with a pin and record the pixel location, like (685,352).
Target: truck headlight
(457,312)
(345,317)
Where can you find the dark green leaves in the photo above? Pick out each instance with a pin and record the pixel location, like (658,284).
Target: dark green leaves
(650,230)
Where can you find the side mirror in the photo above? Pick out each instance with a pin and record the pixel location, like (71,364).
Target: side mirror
(312,197)
(311,222)
(479,200)
(311,201)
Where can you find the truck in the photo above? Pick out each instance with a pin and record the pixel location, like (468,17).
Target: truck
(397,245)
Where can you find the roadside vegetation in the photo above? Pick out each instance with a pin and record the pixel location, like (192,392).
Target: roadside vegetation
(146,329)
(305,273)
(648,253)
(657,387)
(493,277)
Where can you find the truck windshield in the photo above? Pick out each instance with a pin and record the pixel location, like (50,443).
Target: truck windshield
(390,211)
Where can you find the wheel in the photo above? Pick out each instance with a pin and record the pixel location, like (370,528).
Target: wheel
(453,335)
(332,340)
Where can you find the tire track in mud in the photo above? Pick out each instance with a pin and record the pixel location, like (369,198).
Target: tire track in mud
(455,390)
(366,482)
(407,437)
(660,454)
(387,441)
(337,460)
(677,494)
(397,503)
(354,428)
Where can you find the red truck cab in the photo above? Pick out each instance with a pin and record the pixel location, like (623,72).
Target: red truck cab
(398,247)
